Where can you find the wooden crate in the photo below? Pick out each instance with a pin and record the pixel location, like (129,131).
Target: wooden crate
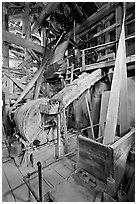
(104,160)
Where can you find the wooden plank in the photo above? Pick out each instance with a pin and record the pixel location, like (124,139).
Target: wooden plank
(24,63)
(7,195)
(107,64)
(12,173)
(102,12)
(33,55)
(14,177)
(21,86)
(124,144)
(49,7)
(38,85)
(118,18)
(25,43)
(100,4)
(29,86)
(71,192)
(21,194)
(103,32)
(90,119)
(62,170)
(112,113)
(58,145)
(103,111)
(26,21)
(69,163)
(52,177)
(95,158)
(5,154)
(131,192)
(77,87)
(65,131)
(5,47)
(123,106)
(121,150)
(48,73)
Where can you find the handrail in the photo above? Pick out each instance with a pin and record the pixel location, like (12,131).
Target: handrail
(83,56)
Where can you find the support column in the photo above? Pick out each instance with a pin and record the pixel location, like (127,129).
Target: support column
(5,46)
(58,145)
(65,132)
(26,25)
(118,18)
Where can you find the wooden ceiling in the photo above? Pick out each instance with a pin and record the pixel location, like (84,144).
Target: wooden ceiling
(60,15)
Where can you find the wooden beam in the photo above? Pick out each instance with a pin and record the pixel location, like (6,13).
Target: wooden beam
(17,40)
(95,158)
(38,84)
(33,55)
(76,88)
(100,4)
(106,30)
(103,111)
(65,131)
(21,86)
(58,145)
(24,63)
(58,54)
(49,7)
(5,47)
(89,114)
(48,72)
(102,12)
(26,21)
(121,150)
(118,18)
(117,88)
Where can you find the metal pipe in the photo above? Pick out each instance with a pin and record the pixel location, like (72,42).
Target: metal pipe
(40,180)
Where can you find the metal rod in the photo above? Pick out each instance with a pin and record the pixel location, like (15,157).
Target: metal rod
(40,180)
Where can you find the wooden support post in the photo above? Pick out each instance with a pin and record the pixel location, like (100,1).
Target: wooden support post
(103,111)
(118,19)
(65,132)
(83,61)
(43,37)
(26,25)
(5,46)
(72,69)
(90,119)
(38,85)
(25,43)
(58,145)
(21,86)
(107,37)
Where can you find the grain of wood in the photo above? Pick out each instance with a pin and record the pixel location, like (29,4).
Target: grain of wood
(63,171)
(7,195)
(13,174)
(103,111)
(95,158)
(71,192)
(52,177)
(17,40)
